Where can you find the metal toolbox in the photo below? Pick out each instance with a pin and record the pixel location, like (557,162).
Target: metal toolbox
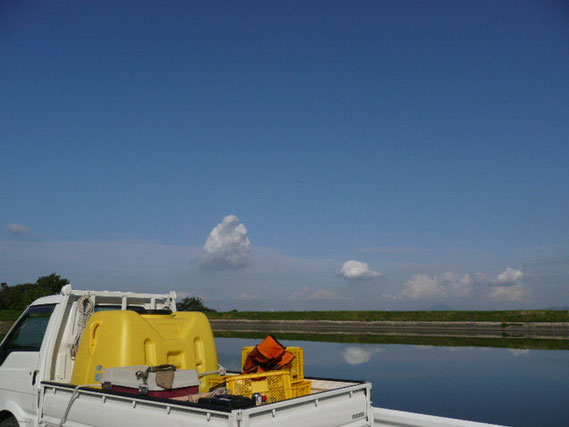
(142,379)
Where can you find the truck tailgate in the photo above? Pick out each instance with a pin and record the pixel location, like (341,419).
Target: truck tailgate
(346,406)
(349,405)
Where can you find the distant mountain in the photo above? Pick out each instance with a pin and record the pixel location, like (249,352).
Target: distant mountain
(557,308)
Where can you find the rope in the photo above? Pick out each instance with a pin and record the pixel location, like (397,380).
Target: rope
(85,308)
(221,371)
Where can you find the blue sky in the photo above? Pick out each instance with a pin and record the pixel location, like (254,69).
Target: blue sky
(427,141)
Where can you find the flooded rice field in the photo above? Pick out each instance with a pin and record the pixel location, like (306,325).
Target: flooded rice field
(508,386)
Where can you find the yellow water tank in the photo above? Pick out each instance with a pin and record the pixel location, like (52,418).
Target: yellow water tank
(125,338)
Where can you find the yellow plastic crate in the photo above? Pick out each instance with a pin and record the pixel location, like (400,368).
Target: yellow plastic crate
(296,368)
(212,381)
(275,385)
(302,388)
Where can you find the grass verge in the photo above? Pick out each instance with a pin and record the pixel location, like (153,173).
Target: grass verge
(425,316)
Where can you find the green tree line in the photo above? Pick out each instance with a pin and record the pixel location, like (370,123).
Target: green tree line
(193,304)
(18,297)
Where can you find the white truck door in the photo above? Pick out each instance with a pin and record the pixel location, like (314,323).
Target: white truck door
(19,361)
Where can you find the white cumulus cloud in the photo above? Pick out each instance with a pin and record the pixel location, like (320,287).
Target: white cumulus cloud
(357,270)
(227,246)
(422,286)
(16,228)
(509,275)
(357,355)
(459,285)
(446,285)
(509,286)
(509,293)
(505,286)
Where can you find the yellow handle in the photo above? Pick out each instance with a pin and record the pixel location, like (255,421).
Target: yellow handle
(93,340)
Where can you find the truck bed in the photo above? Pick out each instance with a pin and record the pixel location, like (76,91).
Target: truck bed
(332,403)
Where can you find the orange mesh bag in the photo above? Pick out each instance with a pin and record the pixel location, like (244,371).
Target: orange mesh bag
(270,355)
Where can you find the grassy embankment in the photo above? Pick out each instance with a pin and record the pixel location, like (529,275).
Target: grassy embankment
(369,316)
(515,343)
(402,316)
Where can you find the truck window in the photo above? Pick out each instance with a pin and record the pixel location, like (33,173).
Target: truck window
(29,331)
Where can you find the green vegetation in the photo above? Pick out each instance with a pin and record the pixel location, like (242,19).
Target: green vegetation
(403,316)
(9,315)
(17,298)
(193,304)
(517,343)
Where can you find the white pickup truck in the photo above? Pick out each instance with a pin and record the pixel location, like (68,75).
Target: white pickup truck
(36,366)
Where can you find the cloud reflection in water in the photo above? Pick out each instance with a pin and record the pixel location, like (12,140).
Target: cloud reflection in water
(355,355)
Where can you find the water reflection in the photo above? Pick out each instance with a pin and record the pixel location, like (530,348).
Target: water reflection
(510,386)
(517,352)
(357,355)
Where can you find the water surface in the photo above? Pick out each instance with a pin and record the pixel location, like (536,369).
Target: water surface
(495,385)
